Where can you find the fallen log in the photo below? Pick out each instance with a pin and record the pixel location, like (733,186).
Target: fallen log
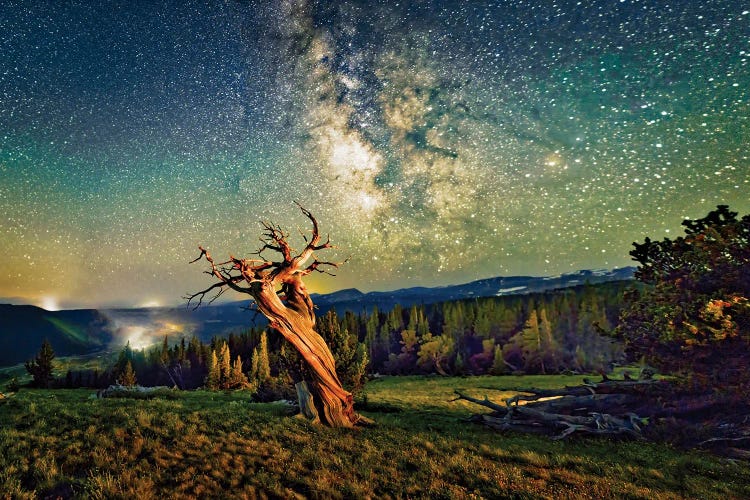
(657,410)
(534,417)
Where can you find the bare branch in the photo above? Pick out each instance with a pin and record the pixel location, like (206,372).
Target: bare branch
(315,266)
(200,295)
(289,310)
(203,252)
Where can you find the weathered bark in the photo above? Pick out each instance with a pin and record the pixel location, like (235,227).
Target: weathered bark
(306,404)
(556,416)
(281,296)
(641,409)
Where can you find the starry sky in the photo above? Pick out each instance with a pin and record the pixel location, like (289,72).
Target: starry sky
(437,141)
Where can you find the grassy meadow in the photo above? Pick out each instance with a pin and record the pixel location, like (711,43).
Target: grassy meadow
(213,444)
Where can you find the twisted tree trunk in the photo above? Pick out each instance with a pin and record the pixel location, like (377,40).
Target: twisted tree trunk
(281,296)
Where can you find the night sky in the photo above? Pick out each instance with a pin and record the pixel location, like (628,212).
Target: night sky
(437,142)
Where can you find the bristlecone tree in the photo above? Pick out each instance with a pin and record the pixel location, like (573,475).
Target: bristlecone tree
(693,317)
(281,296)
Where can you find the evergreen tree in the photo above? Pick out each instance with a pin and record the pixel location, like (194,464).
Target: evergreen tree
(264,366)
(237,378)
(127,378)
(531,341)
(358,368)
(351,359)
(498,362)
(549,346)
(405,361)
(40,368)
(225,366)
(213,378)
(417,321)
(260,370)
(692,316)
(164,354)
(125,356)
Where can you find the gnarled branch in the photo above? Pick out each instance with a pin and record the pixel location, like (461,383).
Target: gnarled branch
(281,296)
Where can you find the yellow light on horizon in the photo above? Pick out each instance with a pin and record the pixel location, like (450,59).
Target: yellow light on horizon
(138,337)
(49,304)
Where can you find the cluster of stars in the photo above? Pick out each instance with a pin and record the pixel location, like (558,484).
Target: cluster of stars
(438,142)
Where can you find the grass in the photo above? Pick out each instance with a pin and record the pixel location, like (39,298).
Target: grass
(209,444)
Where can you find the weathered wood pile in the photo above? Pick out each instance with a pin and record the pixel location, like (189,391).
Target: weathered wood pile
(644,409)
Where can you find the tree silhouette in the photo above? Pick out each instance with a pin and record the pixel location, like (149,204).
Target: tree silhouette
(40,368)
(279,293)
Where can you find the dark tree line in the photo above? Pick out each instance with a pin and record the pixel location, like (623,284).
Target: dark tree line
(553,332)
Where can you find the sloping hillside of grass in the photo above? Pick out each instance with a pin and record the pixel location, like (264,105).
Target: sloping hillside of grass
(74,332)
(203,444)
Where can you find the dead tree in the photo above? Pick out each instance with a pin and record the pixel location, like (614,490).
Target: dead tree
(647,408)
(281,296)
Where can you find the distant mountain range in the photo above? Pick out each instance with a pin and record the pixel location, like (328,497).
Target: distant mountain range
(75,332)
(353,300)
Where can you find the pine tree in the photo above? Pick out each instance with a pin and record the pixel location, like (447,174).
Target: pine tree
(260,368)
(214,374)
(254,367)
(40,368)
(531,340)
(164,354)
(264,366)
(238,379)
(128,376)
(498,362)
(549,346)
(358,368)
(225,366)
(126,355)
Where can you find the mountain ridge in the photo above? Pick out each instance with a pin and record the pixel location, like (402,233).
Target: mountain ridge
(83,331)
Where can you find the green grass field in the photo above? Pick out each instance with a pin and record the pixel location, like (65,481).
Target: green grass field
(204,444)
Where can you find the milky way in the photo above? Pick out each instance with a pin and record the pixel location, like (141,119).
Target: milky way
(437,142)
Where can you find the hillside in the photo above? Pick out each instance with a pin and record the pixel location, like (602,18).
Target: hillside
(23,328)
(201,444)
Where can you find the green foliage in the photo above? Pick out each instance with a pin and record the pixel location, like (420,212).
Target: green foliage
(13,385)
(225,366)
(40,368)
(498,362)
(434,352)
(213,379)
(397,341)
(404,361)
(260,370)
(237,378)
(351,356)
(694,316)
